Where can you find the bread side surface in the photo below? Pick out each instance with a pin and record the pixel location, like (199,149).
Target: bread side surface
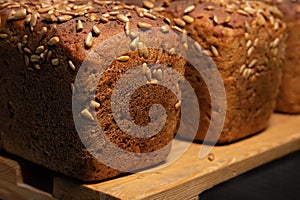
(42,49)
(288,100)
(246,41)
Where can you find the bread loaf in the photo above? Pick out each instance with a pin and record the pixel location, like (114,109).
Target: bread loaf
(288,100)
(43,47)
(246,41)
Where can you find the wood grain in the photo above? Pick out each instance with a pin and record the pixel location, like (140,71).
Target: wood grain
(12,186)
(189,175)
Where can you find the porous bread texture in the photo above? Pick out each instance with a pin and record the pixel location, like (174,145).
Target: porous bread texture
(43,44)
(288,100)
(246,40)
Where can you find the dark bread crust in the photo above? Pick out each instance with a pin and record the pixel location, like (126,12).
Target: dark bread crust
(288,100)
(36,100)
(246,41)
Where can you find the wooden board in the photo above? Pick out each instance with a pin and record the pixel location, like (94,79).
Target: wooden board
(12,185)
(189,175)
(183,179)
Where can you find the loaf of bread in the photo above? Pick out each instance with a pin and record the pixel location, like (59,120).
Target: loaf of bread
(246,41)
(44,45)
(289,95)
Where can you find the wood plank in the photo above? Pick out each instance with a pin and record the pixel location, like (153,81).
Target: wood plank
(189,175)
(12,185)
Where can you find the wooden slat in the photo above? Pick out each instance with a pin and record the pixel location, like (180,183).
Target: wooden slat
(10,171)
(189,175)
(12,186)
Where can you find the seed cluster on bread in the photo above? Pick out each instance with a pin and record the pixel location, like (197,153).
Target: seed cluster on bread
(43,45)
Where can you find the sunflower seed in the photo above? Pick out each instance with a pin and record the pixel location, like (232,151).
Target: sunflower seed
(256,42)
(49,55)
(142,49)
(248,44)
(215,51)
(64,18)
(123,58)
(179,22)
(79,26)
(149,15)
(53,41)
(165,28)
(35,58)
(40,49)
(127,28)
(134,43)
(72,86)
(215,19)
(133,34)
(50,18)
(89,40)
(144,68)
(43,33)
(247,27)
(148,74)
(33,21)
(153,81)
(197,47)
(94,104)
(247,73)
(71,65)
(96,30)
(177,105)
(176,28)
(20,14)
(104,19)
(3,35)
(55,61)
(144,25)
(158,9)
(172,51)
(19,46)
(188,19)
(189,9)
(253,63)
(24,40)
(242,69)
(87,114)
(37,66)
(250,51)
(122,18)
(148,4)
(159,74)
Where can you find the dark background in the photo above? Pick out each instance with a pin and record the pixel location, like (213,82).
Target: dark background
(277,180)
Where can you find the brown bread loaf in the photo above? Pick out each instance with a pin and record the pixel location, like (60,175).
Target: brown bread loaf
(43,45)
(246,41)
(288,100)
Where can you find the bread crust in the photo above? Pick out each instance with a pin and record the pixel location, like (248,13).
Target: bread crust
(288,100)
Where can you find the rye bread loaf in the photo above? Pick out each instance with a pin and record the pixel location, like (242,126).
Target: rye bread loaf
(43,45)
(288,100)
(246,41)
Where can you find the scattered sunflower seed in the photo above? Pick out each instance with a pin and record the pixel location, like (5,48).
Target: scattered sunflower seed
(123,58)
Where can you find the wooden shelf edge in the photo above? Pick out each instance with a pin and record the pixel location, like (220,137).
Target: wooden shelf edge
(190,176)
